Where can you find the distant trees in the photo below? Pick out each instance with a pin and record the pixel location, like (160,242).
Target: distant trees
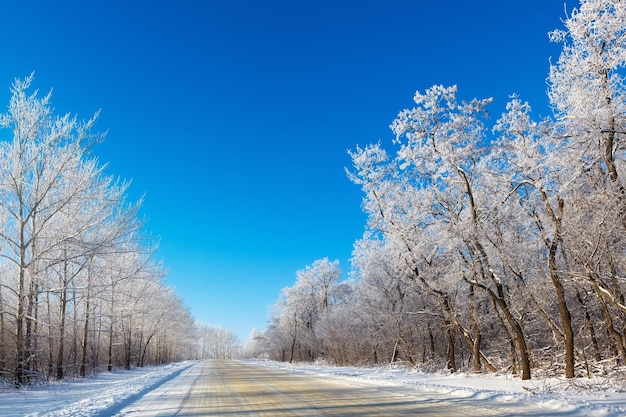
(78,286)
(489,247)
(217,343)
(297,332)
(255,345)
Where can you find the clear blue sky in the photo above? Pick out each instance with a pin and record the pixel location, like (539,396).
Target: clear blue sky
(234,117)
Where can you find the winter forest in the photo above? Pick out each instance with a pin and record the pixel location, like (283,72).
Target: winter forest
(491,244)
(80,290)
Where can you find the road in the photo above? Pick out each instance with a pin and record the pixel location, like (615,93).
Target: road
(236,388)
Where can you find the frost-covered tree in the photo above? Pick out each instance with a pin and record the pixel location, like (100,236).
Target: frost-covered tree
(256,345)
(587,94)
(587,83)
(389,303)
(429,204)
(529,164)
(37,188)
(500,241)
(71,252)
(302,310)
(217,343)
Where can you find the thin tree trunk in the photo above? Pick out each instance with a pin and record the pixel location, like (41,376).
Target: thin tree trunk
(450,352)
(477,333)
(293,341)
(145,350)
(51,338)
(20,336)
(499,298)
(31,330)
(518,332)
(83,353)
(553,247)
(110,348)
(590,328)
(615,336)
(128,354)
(60,352)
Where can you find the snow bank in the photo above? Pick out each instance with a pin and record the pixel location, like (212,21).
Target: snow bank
(582,396)
(99,396)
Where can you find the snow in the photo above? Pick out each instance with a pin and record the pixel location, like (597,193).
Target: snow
(101,395)
(585,397)
(109,393)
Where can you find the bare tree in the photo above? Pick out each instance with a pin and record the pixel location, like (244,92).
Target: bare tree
(73,257)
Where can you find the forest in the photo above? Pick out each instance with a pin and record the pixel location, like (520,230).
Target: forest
(80,289)
(491,244)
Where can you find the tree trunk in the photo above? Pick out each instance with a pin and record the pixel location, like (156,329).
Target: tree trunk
(31,330)
(477,333)
(60,352)
(293,341)
(566,320)
(485,266)
(83,353)
(553,247)
(448,314)
(615,336)
(110,348)
(520,339)
(128,354)
(20,336)
(395,353)
(145,350)
(590,328)
(451,362)
(518,333)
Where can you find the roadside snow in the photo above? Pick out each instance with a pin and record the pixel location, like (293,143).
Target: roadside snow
(94,396)
(581,396)
(106,394)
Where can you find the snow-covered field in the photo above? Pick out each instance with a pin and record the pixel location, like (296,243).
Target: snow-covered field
(107,394)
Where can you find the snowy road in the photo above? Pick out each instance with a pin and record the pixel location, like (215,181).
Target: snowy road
(235,388)
(265,388)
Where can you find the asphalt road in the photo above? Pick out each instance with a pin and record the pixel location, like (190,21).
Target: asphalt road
(235,388)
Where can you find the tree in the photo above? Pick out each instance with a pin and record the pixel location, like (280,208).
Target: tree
(535,173)
(389,303)
(73,258)
(484,232)
(587,93)
(428,201)
(587,84)
(34,191)
(217,343)
(301,310)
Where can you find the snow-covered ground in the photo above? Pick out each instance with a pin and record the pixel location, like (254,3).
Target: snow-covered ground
(581,396)
(100,396)
(109,393)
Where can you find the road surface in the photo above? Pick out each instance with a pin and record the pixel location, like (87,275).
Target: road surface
(236,388)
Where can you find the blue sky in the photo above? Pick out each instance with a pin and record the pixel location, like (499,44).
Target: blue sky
(234,117)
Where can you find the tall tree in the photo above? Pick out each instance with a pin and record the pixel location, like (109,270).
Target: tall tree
(587,93)
(75,264)
(34,190)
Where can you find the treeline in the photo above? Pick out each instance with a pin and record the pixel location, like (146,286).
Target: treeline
(79,288)
(217,343)
(496,246)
